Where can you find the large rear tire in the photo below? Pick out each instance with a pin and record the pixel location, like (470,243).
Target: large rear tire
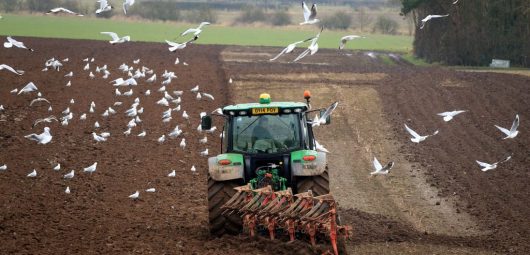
(219,192)
(318,184)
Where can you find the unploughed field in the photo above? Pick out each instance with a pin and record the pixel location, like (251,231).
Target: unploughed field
(90,28)
(435,201)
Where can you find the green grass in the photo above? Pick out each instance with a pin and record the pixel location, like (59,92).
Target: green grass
(414,60)
(90,28)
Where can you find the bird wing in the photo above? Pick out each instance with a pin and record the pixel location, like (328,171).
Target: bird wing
(412,132)
(328,111)
(388,166)
(302,55)
(443,114)
(506,159)
(279,54)
(190,30)
(504,130)
(38,100)
(11,69)
(111,34)
(483,164)
(307,12)
(377,165)
(102,4)
(202,25)
(515,124)
(313,11)
(172,44)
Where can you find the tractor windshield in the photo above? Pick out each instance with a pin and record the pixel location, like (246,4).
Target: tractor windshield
(266,133)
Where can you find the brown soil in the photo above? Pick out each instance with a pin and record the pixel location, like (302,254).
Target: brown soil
(436,201)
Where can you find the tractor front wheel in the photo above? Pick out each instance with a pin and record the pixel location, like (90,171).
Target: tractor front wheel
(219,192)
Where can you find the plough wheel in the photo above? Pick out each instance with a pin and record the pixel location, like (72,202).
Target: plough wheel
(218,194)
(318,184)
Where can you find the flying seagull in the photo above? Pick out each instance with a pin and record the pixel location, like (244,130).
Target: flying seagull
(379,169)
(47,119)
(43,138)
(11,69)
(30,87)
(104,6)
(312,48)
(12,42)
(195,31)
(61,9)
(449,115)
(512,133)
(309,15)
(418,138)
(347,38)
(289,48)
(429,17)
(126,5)
(116,39)
(178,46)
(323,118)
(40,99)
(486,167)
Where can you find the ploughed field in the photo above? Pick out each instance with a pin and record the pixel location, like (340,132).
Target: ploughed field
(435,200)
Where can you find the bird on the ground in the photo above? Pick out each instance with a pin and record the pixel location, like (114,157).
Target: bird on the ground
(98,138)
(135,195)
(196,31)
(116,39)
(203,140)
(312,48)
(67,190)
(69,175)
(183,143)
(172,174)
(126,5)
(309,15)
(416,137)
(48,119)
(211,130)
(90,169)
(70,74)
(12,42)
(347,38)
(142,134)
(177,61)
(72,101)
(128,93)
(104,6)
(96,124)
(43,138)
(447,116)
(162,139)
(286,50)
(195,89)
(379,169)
(150,190)
(193,169)
(105,134)
(32,174)
(61,9)
(40,99)
(175,132)
(30,87)
(3,167)
(230,81)
(11,69)
(486,167)
(152,78)
(512,133)
(83,116)
(57,167)
(178,46)
(429,17)
(204,153)
(218,111)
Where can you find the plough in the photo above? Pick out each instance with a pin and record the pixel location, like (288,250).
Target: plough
(282,212)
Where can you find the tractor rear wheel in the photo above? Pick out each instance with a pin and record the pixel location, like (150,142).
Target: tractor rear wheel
(318,184)
(219,192)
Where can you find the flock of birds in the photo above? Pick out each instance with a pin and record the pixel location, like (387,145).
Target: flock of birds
(131,77)
(448,116)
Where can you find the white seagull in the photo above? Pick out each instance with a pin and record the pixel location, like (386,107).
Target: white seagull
(379,169)
(90,169)
(150,190)
(115,38)
(104,6)
(449,115)
(98,138)
(178,46)
(3,167)
(48,119)
(172,174)
(287,50)
(67,190)
(429,17)
(61,9)
(512,133)
(11,69)
(195,31)
(57,167)
(135,195)
(347,38)
(12,42)
(32,174)
(126,5)
(28,88)
(309,15)
(69,175)
(486,167)
(418,138)
(43,138)
(312,48)
(323,118)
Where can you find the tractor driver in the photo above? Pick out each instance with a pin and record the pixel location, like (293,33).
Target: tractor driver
(262,139)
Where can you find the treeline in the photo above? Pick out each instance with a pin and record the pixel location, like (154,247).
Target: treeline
(475,32)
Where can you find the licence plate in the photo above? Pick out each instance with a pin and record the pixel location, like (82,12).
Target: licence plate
(267,110)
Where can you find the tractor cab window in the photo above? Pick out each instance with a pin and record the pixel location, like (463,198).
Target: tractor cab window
(266,133)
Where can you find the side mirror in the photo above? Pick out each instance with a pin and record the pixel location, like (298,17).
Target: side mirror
(206,122)
(328,118)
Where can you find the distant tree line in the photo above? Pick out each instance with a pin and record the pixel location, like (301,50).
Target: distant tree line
(475,32)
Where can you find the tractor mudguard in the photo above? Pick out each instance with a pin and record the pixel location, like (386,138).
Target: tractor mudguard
(302,167)
(233,167)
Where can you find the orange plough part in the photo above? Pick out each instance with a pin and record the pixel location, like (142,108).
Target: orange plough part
(302,213)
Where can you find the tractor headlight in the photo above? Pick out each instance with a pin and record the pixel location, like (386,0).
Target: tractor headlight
(287,111)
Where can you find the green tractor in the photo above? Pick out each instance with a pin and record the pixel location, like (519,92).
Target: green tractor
(268,167)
